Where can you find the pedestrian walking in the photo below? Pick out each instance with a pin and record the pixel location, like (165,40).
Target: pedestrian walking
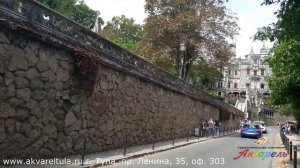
(211,127)
(203,127)
(217,125)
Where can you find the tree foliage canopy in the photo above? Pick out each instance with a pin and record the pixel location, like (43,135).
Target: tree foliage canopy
(286,109)
(203,76)
(203,26)
(76,10)
(124,32)
(285,58)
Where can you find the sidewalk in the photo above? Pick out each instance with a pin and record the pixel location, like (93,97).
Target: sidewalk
(295,138)
(108,157)
(116,155)
(278,162)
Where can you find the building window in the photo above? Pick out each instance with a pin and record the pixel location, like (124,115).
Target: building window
(262,72)
(248,71)
(219,94)
(229,72)
(228,84)
(255,72)
(235,73)
(220,84)
(235,85)
(262,86)
(247,85)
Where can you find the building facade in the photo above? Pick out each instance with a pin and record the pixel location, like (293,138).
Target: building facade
(245,82)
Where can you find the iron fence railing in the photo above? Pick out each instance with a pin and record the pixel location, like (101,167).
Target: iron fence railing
(290,148)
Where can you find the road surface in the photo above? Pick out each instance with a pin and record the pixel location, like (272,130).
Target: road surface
(214,153)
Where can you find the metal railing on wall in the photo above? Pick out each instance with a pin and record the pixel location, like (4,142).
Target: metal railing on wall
(37,13)
(175,138)
(291,149)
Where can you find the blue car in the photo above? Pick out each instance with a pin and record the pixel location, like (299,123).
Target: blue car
(251,130)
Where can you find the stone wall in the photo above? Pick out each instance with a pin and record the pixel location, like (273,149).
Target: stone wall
(38,91)
(279,119)
(45,110)
(269,121)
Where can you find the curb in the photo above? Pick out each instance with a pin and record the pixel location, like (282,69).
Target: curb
(277,163)
(152,152)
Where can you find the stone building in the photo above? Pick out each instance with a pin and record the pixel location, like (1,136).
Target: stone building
(245,83)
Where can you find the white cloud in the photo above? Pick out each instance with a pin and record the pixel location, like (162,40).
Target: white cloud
(110,8)
(251,16)
(253,1)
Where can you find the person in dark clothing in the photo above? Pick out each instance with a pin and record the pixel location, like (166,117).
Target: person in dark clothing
(203,127)
(217,127)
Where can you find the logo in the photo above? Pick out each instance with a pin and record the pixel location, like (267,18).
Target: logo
(260,154)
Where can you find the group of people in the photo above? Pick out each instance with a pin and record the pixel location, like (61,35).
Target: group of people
(210,127)
(289,127)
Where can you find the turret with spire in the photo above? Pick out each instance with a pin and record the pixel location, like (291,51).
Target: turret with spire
(264,50)
(251,52)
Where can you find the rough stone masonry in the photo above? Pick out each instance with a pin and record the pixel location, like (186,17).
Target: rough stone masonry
(45,111)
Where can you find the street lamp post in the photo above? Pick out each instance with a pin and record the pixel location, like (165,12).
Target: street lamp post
(226,86)
(181,67)
(246,106)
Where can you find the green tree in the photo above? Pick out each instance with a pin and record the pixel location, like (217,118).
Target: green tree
(76,10)
(285,57)
(286,109)
(86,16)
(203,26)
(124,32)
(204,76)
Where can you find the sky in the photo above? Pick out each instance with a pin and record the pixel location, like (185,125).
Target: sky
(250,13)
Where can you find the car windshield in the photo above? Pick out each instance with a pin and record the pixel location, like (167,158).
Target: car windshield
(257,126)
(251,126)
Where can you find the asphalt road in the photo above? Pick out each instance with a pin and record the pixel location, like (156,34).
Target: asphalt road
(214,153)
